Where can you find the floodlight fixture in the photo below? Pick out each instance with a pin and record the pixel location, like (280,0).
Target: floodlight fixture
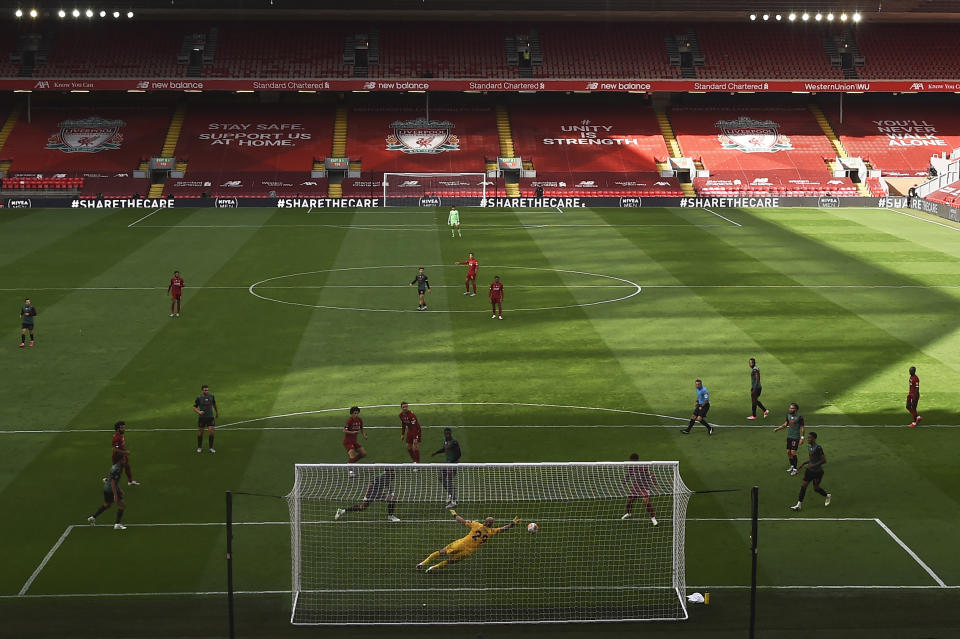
(792,17)
(805,17)
(116,14)
(89,13)
(18,13)
(61,13)
(856,17)
(766,17)
(753,17)
(103,14)
(33,13)
(818,17)
(75,13)
(129,14)
(843,17)
(779,17)
(829,17)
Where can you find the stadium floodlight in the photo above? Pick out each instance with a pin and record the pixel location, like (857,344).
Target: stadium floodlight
(583,562)
(792,17)
(829,17)
(33,13)
(89,13)
(129,14)
(75,13)
(805,17)
(61,13)
(856,17)
(116,14)
(779,17)
(753,17)
(103,14)
(18,13)
(766,17)
(818,17)
(843,17)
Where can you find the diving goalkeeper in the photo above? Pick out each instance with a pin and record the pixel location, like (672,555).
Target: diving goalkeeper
(480,533)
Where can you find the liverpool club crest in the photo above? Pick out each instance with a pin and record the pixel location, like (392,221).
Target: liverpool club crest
(422,136)
(752,136)
(90,135)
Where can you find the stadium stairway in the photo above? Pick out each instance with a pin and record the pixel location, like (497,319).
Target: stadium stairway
(505,132)
(828,131)
(339,147)
(666,129)
(169,148)
(5,133)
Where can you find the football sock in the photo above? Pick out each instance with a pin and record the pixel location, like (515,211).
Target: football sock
(803,491)
(119,514)
(459,234)
(199,441)
(690,425)
(31,337)
(441,564)
(761,406)
(431,557)
(99,510)
(820,491)
(23,338)
(210,440)
(793,462)
(129,472)
(650,509)
(416,456)
(704,422)
(391,506)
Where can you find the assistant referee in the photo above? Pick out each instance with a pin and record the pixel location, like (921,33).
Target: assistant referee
(700,410)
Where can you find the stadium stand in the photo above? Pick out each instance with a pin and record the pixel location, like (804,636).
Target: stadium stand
(949,195)
(897,137)
(83,140)
(460,143)
(109,49)
(626,184)
(252,148)
(588,137)
(246,184)
(604,50)
(442,50)
(758,151)
(247,50)
(888,53)
(763,51)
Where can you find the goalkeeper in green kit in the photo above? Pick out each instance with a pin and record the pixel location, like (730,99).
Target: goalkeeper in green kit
(453,221)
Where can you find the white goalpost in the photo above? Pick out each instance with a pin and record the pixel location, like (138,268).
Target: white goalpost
(439,185)
(356,541)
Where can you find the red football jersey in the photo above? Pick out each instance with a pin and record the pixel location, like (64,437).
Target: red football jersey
(914,389)
(354,424)
(409,423)
(119,441)
(496,289)
(176,285)
(472,266)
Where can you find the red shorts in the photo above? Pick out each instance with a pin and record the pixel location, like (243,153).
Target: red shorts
(413,436)
(638,490)
(350,444)
(471,276)
(175,294)
(912,401)
(496,299)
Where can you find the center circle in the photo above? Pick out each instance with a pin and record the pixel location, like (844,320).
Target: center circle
(633,287)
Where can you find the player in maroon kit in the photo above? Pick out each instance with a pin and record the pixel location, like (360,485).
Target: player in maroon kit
(410,431)
(355,452)
(639,483)
(913,396)
(472,267)
(120,447)
(175,290)
(496,297)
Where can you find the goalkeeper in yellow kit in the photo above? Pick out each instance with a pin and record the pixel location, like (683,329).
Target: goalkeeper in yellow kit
(480,533)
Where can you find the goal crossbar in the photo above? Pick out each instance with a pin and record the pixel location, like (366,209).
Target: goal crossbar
(418,185)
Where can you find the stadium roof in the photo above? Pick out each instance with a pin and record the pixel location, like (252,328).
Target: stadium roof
(712,10)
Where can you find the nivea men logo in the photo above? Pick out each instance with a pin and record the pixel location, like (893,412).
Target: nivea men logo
(18,203)
(430,200)
(630,202)
(828,202)
(226,203)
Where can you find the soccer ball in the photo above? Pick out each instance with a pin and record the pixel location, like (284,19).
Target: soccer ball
(533,528)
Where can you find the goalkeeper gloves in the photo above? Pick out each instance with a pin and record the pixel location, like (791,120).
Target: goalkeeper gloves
(516,521)
(453,512)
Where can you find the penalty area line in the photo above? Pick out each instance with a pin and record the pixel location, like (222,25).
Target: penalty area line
(43,563)
(912,554)
(143,218)
(724,218)
(922,219)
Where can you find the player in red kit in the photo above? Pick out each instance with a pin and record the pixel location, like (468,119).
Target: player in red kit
(639,482)
(913,396)
(120,448)
(410,431)
(496,297)
(354,425)
(472,267)
(175,290)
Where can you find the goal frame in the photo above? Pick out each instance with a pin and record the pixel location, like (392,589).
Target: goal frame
(679,501)
(483,181)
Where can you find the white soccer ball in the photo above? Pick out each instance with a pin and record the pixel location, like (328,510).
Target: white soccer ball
(533,528)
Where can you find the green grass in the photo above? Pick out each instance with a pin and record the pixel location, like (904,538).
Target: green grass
(834,304)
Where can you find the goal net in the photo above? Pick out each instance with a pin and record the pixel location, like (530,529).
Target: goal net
(405,188)
(586,563)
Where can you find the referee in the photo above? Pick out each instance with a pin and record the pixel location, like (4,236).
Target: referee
(700,410)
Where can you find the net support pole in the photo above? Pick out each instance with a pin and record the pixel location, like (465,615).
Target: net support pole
(230,562)
(754,504)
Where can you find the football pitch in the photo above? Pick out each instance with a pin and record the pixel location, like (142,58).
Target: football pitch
(609,315)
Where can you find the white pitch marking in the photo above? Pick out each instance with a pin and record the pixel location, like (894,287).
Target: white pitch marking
(946,226)
(723,218)
(912,554)
(43,563)
(143,218)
